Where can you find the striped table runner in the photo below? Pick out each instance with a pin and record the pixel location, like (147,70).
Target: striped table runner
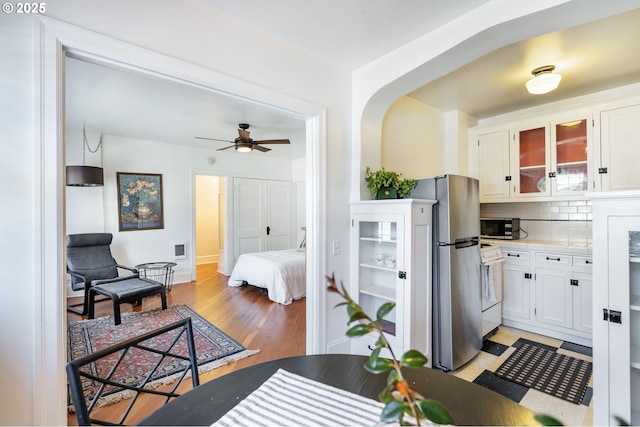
(288,399)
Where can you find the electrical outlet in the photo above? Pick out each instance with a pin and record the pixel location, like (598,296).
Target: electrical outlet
(335,249)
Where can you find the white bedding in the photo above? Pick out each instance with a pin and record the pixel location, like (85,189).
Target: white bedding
(282,273)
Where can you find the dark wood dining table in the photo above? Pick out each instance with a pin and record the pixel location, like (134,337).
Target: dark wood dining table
(468,403)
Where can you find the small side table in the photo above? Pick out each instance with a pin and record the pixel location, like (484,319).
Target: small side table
(159,271)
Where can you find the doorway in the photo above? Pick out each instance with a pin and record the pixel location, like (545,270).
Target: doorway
(210,224)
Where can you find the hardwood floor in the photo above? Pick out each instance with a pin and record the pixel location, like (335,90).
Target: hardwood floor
(245,313)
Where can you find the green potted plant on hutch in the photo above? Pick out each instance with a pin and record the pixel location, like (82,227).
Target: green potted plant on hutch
(385,184)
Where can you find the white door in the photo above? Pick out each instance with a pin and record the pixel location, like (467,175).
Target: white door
(248,216)
(280,218)
(263,216)
(619,144)
(624,306)
(516,291)
(554,298)
(493,164)
(582,284)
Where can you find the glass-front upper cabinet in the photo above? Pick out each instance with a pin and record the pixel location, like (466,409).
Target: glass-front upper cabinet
(569,155)
(531,146)
(552,159)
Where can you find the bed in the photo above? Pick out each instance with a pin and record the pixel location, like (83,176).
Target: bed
(282,273)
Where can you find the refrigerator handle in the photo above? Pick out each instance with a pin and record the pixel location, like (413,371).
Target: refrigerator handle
(466,243)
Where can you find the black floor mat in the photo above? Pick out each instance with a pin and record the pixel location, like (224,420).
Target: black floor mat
(544,370)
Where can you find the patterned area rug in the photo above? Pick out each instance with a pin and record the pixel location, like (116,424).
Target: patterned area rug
(214,348)
(544,370)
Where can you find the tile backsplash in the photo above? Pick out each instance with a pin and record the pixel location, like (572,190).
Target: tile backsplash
(558,221)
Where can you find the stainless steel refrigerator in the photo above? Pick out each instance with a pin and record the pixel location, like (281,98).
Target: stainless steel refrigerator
(457,279)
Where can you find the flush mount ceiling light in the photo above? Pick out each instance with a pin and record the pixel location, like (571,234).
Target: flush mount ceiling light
(544,80)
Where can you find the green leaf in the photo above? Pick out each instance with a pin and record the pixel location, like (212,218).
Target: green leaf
(384,310)
(392,412)
(547,420)
(385,395)
(393,377)
(378,365)
(413,359)
(358,315)
(351,309)
(359,330)
(380,342)
(434,411)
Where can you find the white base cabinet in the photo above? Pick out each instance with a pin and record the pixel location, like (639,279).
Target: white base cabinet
(548,293)
(516,285)
(616,308)
(391,258)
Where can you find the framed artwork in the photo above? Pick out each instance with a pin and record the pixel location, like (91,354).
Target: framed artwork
(140,201)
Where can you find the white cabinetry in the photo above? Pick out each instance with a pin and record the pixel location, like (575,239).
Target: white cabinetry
(516,285)
(617,165)
(391,253)
(616,355)
(550,159)
(554,293)
(548,293)
(495,180)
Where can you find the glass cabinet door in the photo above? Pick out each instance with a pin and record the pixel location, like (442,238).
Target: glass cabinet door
(570,153)
(380,260)
(624,318)
(532,161)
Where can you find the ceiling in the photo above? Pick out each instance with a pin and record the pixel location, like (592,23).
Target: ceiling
(591,57)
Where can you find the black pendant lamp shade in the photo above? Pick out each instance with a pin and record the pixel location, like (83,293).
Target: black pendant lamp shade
(85,176)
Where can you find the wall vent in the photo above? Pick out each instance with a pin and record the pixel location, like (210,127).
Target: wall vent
(180,250)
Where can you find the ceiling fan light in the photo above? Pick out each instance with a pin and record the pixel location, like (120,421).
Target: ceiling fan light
(244,148)
(544,80)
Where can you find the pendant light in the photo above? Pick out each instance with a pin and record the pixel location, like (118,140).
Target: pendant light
(86,176)
(544,80)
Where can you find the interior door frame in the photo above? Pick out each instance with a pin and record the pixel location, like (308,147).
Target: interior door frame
(53,39)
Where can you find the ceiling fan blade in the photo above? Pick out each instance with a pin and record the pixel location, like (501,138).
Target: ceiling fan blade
(226,148)
(259,148)
(244,135)
(273,141)
(213,139)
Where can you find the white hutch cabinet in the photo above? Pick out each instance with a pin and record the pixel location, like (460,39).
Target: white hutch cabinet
(391,257)
(616,328)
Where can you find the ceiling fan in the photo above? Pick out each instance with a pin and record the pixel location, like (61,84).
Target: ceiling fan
(243,143)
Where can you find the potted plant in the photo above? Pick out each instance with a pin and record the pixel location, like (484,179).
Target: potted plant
(385,184)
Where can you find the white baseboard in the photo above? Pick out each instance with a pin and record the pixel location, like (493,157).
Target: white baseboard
(207,259)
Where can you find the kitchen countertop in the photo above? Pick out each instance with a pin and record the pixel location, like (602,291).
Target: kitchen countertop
(541,245)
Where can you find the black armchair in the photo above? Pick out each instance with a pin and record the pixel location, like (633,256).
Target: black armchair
(93,269)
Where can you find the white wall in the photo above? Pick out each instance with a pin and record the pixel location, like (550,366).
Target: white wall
(207,245)
(19,298)
(176,164)
(413,139)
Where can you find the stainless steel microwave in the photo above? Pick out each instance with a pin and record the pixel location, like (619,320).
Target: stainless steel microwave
(500,228)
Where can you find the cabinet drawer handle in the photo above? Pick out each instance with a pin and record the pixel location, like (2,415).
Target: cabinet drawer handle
(588,262)
(553,259)
(515,255)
